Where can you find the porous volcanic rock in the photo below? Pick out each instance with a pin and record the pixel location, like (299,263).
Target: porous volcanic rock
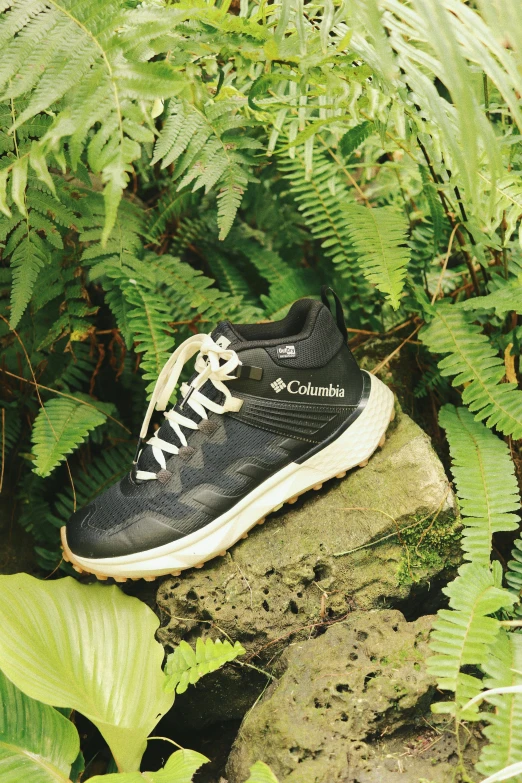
(333,552)
(340,698)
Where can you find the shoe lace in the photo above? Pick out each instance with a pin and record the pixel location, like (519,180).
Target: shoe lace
(214,363)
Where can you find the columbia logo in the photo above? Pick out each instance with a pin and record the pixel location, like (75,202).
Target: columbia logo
(278,385)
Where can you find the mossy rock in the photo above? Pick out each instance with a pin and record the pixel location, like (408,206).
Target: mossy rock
(381,537)
(351,705)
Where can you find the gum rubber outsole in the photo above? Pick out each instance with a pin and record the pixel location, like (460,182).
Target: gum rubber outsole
(81,569)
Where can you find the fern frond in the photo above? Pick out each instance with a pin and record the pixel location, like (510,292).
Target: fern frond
(322,199)
(187,289)
(230,276)
(484,475)
(503,668)
(233,182)
(60,427)
(463,634)
(148,320)
(186,666)
(504,300)
(211,149)
(169,209)
(379,236)
(354,137)
(65,55)
(27,260)
(514,573)
(474,361)
(434,205)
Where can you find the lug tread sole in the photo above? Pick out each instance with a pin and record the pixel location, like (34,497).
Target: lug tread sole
(69,557)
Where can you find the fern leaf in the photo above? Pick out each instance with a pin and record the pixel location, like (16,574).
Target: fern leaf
(60,427)
(485,478)
(148,321)
(353,138)
(210,152)
(503,668)
(321,201)
(177,133)
(233,185)
(379,237)
(188,289)
(186,666)
(474,361)
(27,260)
(261,773)
(504,300)
(231,278)
(435,206)
(463,635)
(514,572)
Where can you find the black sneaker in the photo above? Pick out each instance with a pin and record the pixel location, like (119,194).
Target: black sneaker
(273,410)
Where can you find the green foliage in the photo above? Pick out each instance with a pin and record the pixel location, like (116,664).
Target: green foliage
(475,362)
(96,654)
(186,666)
(502,669)
(354,137)
(502,301)
(463,635)
(485,480)
(60,426)
(37,744)
(379,238)
(211,150)
(180,768)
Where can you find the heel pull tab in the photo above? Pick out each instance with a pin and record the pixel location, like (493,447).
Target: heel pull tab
(339,315)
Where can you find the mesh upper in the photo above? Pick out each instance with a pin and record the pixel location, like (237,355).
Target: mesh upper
(212,465)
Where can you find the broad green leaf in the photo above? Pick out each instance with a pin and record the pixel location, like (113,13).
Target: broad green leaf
(90,648)
(60,427)
(261,773)
(180,768)
(37,744)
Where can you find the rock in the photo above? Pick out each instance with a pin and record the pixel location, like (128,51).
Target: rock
(333,551)
(340,696)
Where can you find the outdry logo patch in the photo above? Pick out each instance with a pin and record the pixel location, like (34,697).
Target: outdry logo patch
(286,351)
(296,387)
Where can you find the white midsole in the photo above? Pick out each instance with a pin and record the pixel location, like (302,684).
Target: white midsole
(352,447)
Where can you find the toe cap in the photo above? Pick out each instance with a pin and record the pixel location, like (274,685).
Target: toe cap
(143,532)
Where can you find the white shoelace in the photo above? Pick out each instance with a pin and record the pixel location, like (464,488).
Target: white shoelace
(209,369)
